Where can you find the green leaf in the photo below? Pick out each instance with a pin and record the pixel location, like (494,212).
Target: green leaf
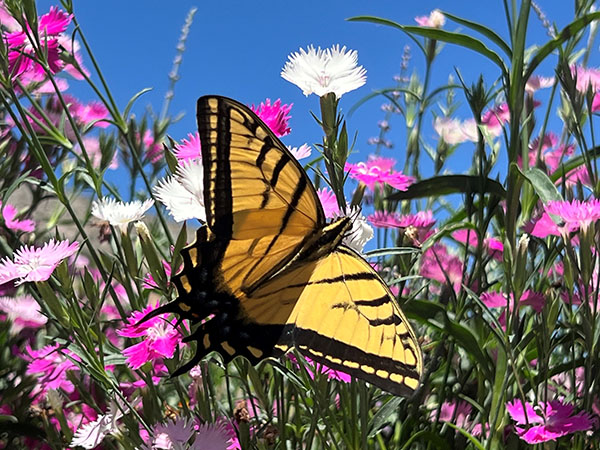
(383,416)
(467,340)
(487,32)
(434,440)
(440,35)
(542,184)
(565,34)
(391,251)
(450,184)
(466,434)
(574,163)
(132,101)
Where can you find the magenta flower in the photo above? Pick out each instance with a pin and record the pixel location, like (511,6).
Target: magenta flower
(149,283)
(579,213)
(189,149)
(420,223)
(496,117)
(456,412)
(160,338)
(50,365)
(379,170)
(94,152)
(437,264)
(275,115)
(154,150)
(9,213)
(86,114)
(21,51)
(23,311)
(548,421)
(329,203)
(499,300)
(35,264)
(545,226)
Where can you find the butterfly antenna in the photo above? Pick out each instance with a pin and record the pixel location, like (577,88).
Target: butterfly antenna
(168,308)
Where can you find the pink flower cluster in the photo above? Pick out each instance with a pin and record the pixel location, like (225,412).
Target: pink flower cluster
(378,170)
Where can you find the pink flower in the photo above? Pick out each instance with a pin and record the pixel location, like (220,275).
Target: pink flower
(149,282)
(50,365)
(312,367)
(21,51)
(435,19)
(189,149)
(275,115)
(536,82)
(549,155)
(301,152)
(86,114)
(586,78)
(548,421)
(161,338)
(154,150)
(379,170)
(419,223)
(453,131)
(35,264)
(329,203)
(92,148)
(496,117)
(579,213)
(500,300)
(23,311)
(8,21)
(456,413)
(9,212)
(545,226)
(437,264)
(492,245)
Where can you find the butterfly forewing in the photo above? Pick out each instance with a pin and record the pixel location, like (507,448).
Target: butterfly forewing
(257,196)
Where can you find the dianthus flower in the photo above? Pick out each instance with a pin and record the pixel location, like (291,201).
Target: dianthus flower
(183,193)
(120,214)
(189,149)
(378,170)
(576,212)
(275,115)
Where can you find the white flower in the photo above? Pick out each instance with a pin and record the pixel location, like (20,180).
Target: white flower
(183,193)
(360,233)
(324,71)
(120,214)
(538,82)
(300,152)
(91,434)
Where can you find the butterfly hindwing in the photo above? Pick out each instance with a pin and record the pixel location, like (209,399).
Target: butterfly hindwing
(340,313)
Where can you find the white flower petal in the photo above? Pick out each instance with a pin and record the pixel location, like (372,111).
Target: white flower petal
(324,71)
(183,193)
(120,214)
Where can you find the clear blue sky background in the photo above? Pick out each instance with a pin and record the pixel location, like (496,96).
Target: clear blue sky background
(238,48)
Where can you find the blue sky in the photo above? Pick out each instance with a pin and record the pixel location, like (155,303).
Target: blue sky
(237,48)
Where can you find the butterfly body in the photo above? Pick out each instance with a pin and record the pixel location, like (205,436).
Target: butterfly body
(267,272)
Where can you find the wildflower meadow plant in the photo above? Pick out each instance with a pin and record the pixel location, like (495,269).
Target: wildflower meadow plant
(494,261)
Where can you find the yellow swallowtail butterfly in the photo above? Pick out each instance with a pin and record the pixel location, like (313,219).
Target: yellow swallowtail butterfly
(272,273)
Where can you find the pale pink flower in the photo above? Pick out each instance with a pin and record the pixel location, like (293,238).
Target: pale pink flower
(550,155)
(50,365)
(301,152)
(189,149)
(456,412)
(312,367)
(548,422)
(9,213)
(378,171)
(586,78)
(437,264)
(92,148)
(35,264)
(8,21)
(85,114)
(435,19)
(325,71)
(161,337)
(329,202)
(576,212)
(452,131)
(537,82)
(23,312)
(276,116)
